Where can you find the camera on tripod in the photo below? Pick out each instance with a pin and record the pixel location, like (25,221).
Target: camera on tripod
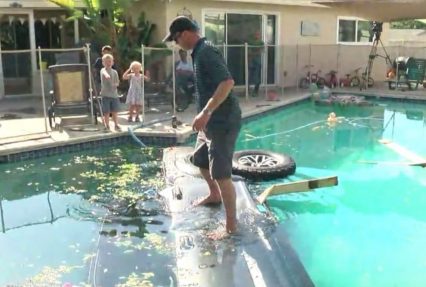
(377,27)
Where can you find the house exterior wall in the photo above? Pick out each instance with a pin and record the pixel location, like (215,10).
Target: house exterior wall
(289,18)
(297,51)
(155,12)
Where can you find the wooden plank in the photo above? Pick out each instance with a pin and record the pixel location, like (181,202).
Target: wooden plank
(422,164)
(402,151)
(297,186)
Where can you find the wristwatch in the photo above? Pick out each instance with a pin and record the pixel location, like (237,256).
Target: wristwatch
(207,112)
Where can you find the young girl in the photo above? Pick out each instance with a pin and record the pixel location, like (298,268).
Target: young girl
(134,95)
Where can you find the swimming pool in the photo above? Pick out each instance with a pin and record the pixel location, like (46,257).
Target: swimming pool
(78,218)
(370,230)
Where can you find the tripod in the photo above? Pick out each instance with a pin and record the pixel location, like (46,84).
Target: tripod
(377,29)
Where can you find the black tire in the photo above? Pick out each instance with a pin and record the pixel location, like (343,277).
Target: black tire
(262,165)
(392,85)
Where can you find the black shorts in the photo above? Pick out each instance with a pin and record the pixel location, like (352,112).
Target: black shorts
(214,151)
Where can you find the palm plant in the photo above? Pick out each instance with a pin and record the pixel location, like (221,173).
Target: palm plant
(109,22)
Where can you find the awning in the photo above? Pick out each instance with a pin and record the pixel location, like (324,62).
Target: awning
(378,10)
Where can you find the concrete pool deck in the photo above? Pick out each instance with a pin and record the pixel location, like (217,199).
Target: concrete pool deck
(25,129)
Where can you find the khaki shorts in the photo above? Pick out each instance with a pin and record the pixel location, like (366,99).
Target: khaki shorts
(214,151)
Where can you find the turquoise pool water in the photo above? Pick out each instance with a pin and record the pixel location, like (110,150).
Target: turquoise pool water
(79,219)
(370,230)
(94,218)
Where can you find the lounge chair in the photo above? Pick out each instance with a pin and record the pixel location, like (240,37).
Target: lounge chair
(70,95)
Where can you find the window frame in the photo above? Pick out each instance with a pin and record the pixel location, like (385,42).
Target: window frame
(350,18)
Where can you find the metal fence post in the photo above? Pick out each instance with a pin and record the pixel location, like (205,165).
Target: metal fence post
(246,69)
(2,91)
(284,72)
(143,81)
(338,67)
(397,75)
(266,71)
(42,91)
(310,72)
(297,67)
(89,67)
(174,81)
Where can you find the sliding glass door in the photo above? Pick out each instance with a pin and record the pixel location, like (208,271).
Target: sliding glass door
(16,55)
(241,28)
(234,30)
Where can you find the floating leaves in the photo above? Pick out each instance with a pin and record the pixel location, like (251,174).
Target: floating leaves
(135,280)
(93,174)
(88,257)
(50,276)
(121,182)
(72,189)
(151,241)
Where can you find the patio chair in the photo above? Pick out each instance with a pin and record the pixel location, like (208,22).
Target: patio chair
(411,73)
(70,95)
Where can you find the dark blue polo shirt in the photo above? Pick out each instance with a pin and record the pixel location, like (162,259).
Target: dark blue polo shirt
(210,70)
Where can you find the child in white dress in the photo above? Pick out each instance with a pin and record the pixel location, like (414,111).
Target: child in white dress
(134,96)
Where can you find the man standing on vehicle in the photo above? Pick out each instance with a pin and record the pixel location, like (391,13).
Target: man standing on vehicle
(218,121)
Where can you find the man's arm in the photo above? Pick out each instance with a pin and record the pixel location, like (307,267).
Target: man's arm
(216,68)
(220,95)
(222,91)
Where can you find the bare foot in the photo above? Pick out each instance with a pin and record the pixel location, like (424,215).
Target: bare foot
(221,233)
(231,225)
(208,200)
(218,234)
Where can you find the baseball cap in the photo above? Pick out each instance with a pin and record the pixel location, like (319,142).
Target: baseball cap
(180,24)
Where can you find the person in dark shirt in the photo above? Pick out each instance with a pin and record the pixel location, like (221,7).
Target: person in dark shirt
(218,121)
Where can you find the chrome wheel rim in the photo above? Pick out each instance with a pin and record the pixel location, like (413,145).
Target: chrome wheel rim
(258,160)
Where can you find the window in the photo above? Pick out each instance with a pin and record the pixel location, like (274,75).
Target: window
(354,31)
(215,27)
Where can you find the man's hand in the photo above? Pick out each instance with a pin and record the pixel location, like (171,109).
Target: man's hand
(200,121)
